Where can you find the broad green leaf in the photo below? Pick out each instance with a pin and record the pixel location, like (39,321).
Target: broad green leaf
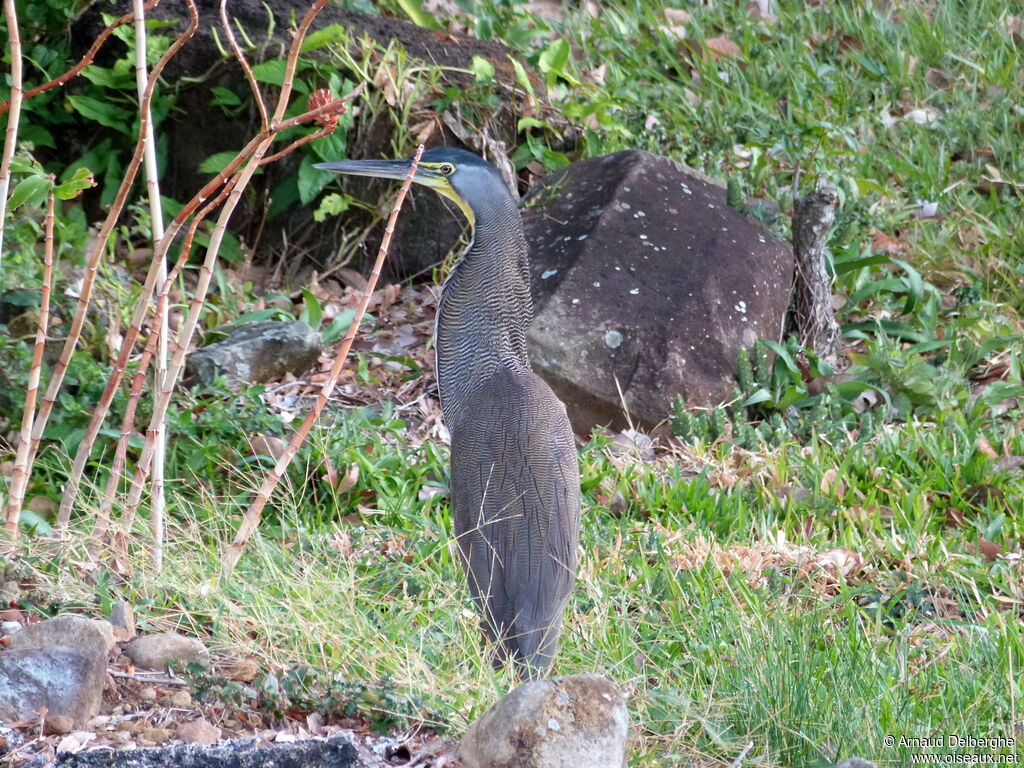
(224,97)
(782,353)
(217,162)
(70,188)
(482,69)
(526,123)
(414,10)
(311,180)
(331,205)
(272,72)
(103,112)
(760,396)
(339,325)
(324,37)
(31,190)
(312,313)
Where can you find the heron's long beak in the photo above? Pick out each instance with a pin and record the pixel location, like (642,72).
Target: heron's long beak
(427,174)
(384,169)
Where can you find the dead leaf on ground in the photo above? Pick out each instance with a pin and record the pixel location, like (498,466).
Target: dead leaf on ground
(936,78)
(721,48)
(1015,28)
(850,43)
(760,10)
(955,516)
(989,549)
(887,244)
(1008,463)
(348,482)
(268,445)
(985,448)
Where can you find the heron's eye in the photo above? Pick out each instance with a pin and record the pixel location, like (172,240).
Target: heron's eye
(447,169)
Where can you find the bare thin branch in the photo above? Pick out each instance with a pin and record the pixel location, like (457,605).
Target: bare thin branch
(160,329)
(257,96)
(19,476)
(206,270)
(85,61)
(92,264)
(11,139)
(251,519)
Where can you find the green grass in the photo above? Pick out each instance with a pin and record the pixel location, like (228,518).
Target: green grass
(925,638)
(704,588)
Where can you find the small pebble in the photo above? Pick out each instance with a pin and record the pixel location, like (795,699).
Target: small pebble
(181,699)
(58,724)
(198,732)
(155,735)
(148,694)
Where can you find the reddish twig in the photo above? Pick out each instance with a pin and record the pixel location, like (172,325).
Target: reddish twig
(206,269)
(11,138)
(215,186)
(85,61)
(251,519)
(253,85)
(19,475)
(86,292)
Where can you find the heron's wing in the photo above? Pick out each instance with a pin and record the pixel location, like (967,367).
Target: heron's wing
(515,495)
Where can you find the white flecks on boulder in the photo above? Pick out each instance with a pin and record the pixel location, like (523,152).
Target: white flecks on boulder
(564,721)
(59,664)
(157,651)
(691,272)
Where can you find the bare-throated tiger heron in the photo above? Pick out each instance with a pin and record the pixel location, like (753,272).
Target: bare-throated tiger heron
(515,483)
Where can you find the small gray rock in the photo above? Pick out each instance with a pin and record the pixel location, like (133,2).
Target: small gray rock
(855,762)
(122,618)
(157,651)
(60,664)
(9,627)
(65,682)
(258,352)
(75,632)
(565,721)
(198,732)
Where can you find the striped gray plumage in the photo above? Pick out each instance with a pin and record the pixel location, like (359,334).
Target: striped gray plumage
(515,492)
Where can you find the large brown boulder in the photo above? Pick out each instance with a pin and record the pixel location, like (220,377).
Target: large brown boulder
(645,282)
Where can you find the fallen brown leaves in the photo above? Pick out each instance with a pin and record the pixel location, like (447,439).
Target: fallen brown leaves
(822,570)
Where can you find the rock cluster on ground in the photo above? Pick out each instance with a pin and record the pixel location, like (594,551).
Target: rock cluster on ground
(258,352)
(564,721)
(646,285)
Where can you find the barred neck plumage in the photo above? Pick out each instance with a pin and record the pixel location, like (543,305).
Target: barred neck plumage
(485,305)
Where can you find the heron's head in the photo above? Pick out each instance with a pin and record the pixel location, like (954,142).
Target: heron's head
(469,180)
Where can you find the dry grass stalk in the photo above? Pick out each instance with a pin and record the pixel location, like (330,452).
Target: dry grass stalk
(127,344)
(11,139)
(19,476)
(251,519)
(160,327)
(85,61)
(206,270)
